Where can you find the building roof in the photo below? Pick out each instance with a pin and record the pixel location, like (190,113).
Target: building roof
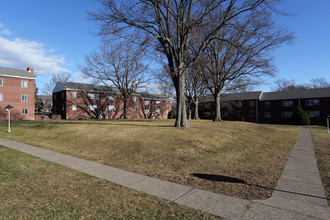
(145,95)
(4,71)
(296,94)
(45,97)
(61,86)
(234,96)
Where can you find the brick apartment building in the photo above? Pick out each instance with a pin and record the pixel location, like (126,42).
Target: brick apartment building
(83,101)
(270,107)
(17,88)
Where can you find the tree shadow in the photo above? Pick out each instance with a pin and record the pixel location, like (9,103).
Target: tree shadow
(218,178)
(227,179)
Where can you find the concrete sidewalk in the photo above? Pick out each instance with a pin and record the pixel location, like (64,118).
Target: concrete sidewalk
(299,193)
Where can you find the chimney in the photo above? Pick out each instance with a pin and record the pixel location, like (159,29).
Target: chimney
(30,70)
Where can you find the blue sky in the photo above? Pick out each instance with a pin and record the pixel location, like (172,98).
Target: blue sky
(54,36)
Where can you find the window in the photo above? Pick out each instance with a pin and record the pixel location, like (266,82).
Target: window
(223,104)
(146,102)
(312,102)
(91,95)
(111,108)
(63,108)
(252,113)
(134,98)
(1,97)
(146,111)
(24,111)
(207,105)
(158,103)
(158,111)
(267,115)
(24,83)
(74,107)
(238,104)
(238,114)
(110,97)
(287,114)
(224,114)
(252,103)
(134,108)
(314,114)
(1,82)
(92,107)
(74,95)
(267,104)
(287,103)
(24,98)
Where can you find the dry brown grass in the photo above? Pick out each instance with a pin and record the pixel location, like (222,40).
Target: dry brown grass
(321,140)
(235,158)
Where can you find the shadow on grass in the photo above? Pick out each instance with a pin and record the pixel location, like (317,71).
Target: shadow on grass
(227,179)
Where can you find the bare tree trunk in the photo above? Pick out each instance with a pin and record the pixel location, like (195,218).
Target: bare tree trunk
(181,119)
(217,116)
(189,112)
(125,108)
(196,117)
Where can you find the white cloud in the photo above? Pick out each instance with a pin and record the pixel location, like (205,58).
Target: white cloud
(81,78)
(21,53)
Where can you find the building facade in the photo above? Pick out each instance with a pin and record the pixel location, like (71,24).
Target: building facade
(87,101)
(17,88)
(270,107)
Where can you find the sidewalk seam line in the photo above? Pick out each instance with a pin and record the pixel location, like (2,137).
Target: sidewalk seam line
(183,194)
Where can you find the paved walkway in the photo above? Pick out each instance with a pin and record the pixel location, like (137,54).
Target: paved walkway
(299,193)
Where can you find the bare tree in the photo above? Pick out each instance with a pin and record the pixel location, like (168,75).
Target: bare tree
(241,55)
(168,25)
(288,85)
(59,77)
(318,83)
(118,65)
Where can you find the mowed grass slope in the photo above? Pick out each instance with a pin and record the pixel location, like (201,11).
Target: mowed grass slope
(321,140)
(32,188)
(235,158)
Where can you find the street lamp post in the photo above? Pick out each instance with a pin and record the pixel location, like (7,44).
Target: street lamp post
(8,107)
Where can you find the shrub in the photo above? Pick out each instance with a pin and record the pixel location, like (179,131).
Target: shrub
(301,117)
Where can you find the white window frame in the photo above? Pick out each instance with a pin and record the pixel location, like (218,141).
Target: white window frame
(24,98)
(24,84)
(238,104)
(252,103)
(314,114)
(312,102)
(111,98)
(111,108)
(158,103)
(146,111)
(287,114)
(267,115)
(134,98)
(287,103)
(252,113)
(1,82)
(134,108)
(267,104)
(74,95)
(24,111)
(1,96)
(224,114)
(91,95)
(158,111)
(147,102)
(239,114)
(74,107)
(92,107)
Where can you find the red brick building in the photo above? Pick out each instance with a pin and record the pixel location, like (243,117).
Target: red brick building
(83,101)
(17,88)
(270,107)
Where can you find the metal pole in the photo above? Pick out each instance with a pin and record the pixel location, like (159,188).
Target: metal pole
(9,120)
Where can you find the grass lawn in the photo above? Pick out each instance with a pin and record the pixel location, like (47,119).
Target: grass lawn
(321,140)
(234,158)
(32,188)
